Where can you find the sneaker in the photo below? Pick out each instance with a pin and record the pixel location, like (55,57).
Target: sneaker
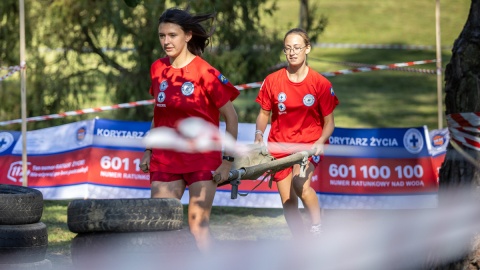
(316,230)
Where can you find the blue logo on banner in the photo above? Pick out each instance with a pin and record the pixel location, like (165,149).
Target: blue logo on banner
(6,139)
(81,133)
(413,141)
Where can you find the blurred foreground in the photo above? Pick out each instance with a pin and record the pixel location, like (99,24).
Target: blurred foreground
(363,239)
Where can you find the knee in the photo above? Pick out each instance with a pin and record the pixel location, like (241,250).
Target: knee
(197,223)
(290,204)
(305,192)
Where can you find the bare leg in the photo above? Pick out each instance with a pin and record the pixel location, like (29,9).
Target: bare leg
(290,207)
(306,193)
(199,208)
(173,189)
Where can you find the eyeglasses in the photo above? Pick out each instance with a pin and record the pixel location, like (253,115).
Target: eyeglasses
(295,50)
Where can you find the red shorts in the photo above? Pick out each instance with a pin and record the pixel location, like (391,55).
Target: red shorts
(280,175)
(189,178)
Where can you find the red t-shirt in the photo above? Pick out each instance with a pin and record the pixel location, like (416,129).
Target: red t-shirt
(297,109)
(196,90)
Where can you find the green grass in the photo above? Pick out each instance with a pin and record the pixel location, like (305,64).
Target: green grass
(227,223)
(409,22)
(367,99)
(377,98)
(55,217)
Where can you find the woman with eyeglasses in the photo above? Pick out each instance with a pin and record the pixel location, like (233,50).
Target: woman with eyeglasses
(300,102)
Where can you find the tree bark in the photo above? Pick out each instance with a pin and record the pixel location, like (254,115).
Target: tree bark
(303,23)
(462,89)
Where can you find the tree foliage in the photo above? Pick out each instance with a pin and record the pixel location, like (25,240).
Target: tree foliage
(312,23)
(83,51)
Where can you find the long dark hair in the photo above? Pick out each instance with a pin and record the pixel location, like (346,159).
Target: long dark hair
(189,22)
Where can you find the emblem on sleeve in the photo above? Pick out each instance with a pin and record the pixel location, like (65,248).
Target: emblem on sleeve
(223,79)
(163,85)
(187,88)
(308,100)
(331,91)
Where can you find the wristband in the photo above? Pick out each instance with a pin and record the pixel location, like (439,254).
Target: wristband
(259,132)
(228,158)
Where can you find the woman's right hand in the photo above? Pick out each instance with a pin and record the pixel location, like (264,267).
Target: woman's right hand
(145,162)
(258,139)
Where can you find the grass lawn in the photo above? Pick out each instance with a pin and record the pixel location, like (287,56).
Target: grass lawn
(227,223)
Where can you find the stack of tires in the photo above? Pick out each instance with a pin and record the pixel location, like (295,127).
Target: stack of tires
(128,233)
(23,238)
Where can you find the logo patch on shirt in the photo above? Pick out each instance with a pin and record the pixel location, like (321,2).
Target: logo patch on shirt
(187,88)
(316,159)
(223,79)
(282,97)
(281,107)
(331,91)
(163,85)
(308,100)
(161,97)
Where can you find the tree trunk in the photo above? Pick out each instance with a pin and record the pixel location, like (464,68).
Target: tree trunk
(462,88)
(303,23)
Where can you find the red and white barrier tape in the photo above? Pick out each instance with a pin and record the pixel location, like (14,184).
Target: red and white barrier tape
(377,67)
(83,111)
(465,129)
(378,46)
(11,71)
(239,87)
(248,85)
(353,64)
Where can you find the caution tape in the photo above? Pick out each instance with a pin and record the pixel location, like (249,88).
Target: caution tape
(80,112)
(239,87)
(353,64)
(11,71)
(377,67)
(465,129)
(248,85)
(377,46)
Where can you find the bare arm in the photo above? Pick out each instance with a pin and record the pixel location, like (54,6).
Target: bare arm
(231,121)
(328,127)
(261,125)
(147,155)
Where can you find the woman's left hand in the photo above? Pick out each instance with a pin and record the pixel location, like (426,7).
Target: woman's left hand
(319,147)
(223,171)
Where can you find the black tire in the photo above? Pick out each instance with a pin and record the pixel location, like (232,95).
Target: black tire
(23,243)
(20,205)
(109,250)
(41,265)
(124,215)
